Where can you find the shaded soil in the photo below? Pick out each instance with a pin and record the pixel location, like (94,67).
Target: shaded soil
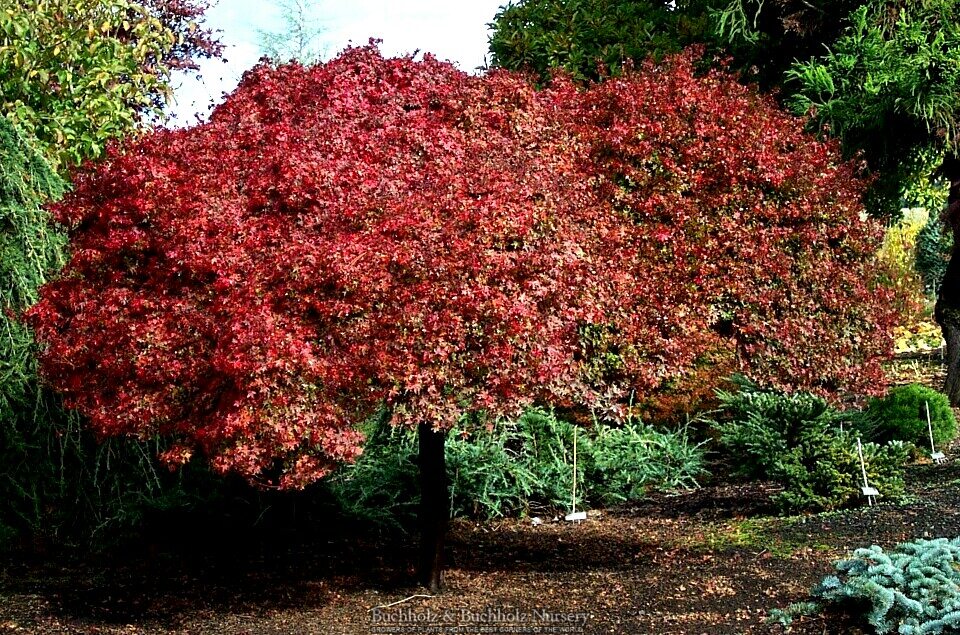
(708,561)
(712,561)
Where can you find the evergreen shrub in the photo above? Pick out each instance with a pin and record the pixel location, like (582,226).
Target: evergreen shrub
(933,247)
(912,590)
(901,415)
(802,443)
(520,467)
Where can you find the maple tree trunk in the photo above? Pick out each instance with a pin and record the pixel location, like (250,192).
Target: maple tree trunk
(433,505)
(947,311)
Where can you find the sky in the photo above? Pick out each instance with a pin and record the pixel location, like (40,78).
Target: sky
(451,30)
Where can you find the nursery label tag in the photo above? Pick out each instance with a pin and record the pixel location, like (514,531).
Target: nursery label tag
(938,457)
(576,516)
(870,491)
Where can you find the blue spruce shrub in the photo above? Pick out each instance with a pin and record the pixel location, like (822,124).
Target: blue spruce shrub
(912,590)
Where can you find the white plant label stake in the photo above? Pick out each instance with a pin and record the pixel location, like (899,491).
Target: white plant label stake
(574,514)
(938,457)
(868,491)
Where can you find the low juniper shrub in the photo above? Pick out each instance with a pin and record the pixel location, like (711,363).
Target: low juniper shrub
(526,465)
(544,444)
(802,443)
(519,467)
(631,460)
(488,476)
(381,488)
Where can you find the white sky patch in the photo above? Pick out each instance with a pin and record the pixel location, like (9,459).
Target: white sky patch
(454,31)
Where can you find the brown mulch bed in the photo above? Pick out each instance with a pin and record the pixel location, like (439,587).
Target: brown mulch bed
(711,561)
(708,561)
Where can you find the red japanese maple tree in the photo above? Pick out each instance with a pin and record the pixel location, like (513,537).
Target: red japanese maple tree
(752,234)
(379,231)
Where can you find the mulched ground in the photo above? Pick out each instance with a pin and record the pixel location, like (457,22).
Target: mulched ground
(710,561)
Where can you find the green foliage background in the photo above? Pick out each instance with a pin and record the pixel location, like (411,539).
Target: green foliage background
(76,74)
(56,481)
(31,248)
(591,38)
(888,87)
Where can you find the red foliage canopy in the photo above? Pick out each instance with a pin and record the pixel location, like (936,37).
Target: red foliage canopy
(753,231)
(374,230)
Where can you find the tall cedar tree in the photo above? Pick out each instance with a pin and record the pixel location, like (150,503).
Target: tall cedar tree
(373,231)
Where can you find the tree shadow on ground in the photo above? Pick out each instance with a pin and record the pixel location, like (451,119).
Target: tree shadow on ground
(159,581)
(187,565)
(198,567)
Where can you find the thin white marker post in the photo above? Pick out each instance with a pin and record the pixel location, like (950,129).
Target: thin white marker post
(868,491)
(573,499)
(938,457)
(574,514)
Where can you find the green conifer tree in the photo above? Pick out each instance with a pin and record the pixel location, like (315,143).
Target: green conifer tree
(31,248)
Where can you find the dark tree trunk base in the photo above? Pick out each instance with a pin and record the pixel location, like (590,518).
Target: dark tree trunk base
(948,301)
(951,387)
(433,506)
